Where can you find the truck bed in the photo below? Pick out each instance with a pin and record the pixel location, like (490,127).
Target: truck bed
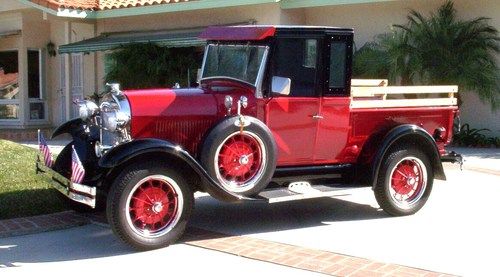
(377,106)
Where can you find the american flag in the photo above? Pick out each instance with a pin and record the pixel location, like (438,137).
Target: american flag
(77,170)
(44,149)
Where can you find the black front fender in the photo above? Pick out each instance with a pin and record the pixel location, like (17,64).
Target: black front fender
(130,150)
(416,133)
(72,127)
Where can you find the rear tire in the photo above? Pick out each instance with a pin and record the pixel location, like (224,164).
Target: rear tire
(404,181)
(149,205)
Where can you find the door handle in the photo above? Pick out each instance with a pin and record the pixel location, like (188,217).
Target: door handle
(317,116)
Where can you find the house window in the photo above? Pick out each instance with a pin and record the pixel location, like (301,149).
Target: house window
(9,85)
(35,91)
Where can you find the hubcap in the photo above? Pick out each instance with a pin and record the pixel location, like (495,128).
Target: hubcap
(154,206)
(240,161)
(408,182)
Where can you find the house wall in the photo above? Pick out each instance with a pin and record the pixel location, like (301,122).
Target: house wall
(369,20)
(9,5)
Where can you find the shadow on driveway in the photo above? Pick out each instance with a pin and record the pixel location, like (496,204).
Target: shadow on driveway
(253,217)
(94,241)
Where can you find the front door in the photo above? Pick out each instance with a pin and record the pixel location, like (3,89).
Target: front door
(334,127)
(293,119)
(76,81)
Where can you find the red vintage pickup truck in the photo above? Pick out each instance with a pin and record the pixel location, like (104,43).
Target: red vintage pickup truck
(276,117)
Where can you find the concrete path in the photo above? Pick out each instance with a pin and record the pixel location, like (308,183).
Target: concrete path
(93,250)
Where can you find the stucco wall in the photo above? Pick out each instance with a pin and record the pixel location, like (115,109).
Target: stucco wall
(9,5)
(376,18)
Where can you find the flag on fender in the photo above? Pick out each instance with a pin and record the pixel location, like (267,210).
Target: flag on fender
(44,149)
(77,170)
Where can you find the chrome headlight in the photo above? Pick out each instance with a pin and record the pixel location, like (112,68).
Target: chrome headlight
(87,109)
(115,112)
(114,120)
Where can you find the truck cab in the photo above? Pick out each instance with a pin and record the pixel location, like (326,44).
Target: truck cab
(276,117)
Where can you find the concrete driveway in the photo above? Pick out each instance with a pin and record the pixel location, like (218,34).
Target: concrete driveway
(457,232)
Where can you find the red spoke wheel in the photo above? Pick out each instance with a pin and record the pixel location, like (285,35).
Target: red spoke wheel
(408,181)
(149,204)
(242,162)
(404,181)
(153,206)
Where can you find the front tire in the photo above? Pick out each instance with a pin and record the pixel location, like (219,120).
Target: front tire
(149,205)
(404,181)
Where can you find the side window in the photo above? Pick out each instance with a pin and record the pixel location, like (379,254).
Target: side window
(340,53)
(296,58)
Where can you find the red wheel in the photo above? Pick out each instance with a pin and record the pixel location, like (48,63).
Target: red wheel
(149,204)
(408,181)
(153,206)
(240,161)
(404,181)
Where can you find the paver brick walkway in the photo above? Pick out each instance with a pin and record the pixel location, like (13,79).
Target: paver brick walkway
(267,251)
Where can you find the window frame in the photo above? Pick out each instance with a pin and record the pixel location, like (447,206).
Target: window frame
(13,101)
(348,39)
(41,99)
(319,37)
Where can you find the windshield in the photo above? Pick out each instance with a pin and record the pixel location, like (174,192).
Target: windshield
(241,62)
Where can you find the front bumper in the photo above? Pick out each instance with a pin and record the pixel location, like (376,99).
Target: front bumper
(76,192)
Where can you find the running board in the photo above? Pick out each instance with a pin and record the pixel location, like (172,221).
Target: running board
(313,191)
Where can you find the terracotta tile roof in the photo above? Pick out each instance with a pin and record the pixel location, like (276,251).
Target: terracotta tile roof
(117,4)
(100,4)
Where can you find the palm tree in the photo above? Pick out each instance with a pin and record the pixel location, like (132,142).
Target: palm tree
(441,50)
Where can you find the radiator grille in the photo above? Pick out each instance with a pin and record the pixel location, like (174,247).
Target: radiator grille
(187,133)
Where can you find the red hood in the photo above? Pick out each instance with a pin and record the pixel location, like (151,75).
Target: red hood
(170,102)
(180,116)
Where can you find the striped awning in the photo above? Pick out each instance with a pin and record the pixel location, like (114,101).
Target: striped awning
(108,41)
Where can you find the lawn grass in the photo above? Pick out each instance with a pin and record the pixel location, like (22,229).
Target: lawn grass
(22,192)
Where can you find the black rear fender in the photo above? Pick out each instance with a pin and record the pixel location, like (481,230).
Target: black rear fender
(408,134)
(119,157)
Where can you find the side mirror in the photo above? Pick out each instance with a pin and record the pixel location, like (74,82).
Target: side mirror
(281,85)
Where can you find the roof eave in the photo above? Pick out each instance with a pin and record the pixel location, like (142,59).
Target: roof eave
(294,4)
(145,10)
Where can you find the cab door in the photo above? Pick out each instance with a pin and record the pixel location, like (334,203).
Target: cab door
(334,127)
(293,118)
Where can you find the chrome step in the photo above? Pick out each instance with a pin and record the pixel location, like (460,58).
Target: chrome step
(303,191)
